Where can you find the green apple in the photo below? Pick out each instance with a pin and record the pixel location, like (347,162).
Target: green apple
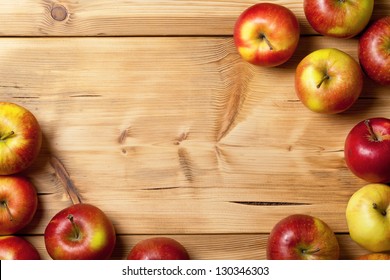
(368,217)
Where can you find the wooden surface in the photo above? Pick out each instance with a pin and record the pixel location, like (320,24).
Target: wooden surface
(162,125)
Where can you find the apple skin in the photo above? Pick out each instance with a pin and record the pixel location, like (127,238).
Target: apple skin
(17,248)
(302,237)
(158,248)
(18,203)
(20,138)
(367,150)
(368,217)
(374,50)
(264,25)
(374,256)
(328,81)
(336,18)
(80,232)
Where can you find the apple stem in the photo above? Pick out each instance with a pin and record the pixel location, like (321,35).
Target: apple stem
(263,37)
(5,136)
(5,205)
(75,228)
(371,131)
(382,211)
(305,251)
(326,77)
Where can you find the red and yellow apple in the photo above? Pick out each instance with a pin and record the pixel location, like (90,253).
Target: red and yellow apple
(302,237)
(338,18)
(80,232)
(367,150)
(266,34)
(328,81)
(374,51)
(368,217)
(20,138)
(158,248)
(18,203)
(17,248)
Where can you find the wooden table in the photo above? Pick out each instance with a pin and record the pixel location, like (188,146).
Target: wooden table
(162,125)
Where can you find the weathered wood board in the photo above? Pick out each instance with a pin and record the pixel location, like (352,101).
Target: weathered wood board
(177,135)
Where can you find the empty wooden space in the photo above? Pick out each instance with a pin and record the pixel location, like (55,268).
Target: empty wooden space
(162,125)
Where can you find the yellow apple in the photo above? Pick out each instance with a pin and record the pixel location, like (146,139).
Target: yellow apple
(368,217)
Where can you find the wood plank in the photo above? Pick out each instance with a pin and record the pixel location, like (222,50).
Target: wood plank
(179,135)
(212,247)
(135,18)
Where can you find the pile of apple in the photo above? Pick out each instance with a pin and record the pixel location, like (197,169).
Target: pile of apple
(330,81)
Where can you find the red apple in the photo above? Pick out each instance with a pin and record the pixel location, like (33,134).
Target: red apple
(158,248)
(374,51)
(328,81)
(20,138)
(338,18)
(266,34)
(18,203)
(80,232)
(367,150)
(374,256)
(17,248)
(302,237)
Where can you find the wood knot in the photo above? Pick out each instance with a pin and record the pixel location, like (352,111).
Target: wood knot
(59,12)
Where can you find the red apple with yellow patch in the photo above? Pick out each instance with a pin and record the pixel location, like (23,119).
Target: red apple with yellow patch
(20,138)
(328,81)
(302,237)
(266,34)
(338,18)
(80,232)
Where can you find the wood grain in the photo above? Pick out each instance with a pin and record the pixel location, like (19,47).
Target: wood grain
(159,122)
(212,247)
(136,17)
(177,135)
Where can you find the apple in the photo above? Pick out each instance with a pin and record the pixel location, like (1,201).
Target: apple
(374,256)
(374,51)
(328,81)
(20,138)
(302,237)
(17,248)
(158,248)
(367,150)
(338,18)
(80,232)
(18,203)
(368,217)
(266,34)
